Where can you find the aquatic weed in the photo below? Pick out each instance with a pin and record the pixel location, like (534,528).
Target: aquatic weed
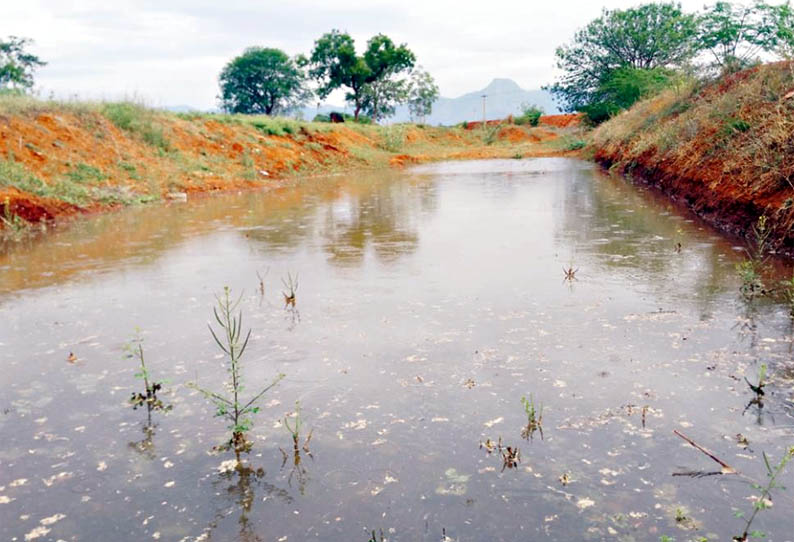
(134,349)
(14,226)
(750,269)
(534,418)
(232,407)
(291,284)
(295,429)
(764,501)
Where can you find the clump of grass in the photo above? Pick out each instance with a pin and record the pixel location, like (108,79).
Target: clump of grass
(14,227)
(149,398)
(749,270)
(83,173)
(14,174)
(764,500)
(136,119)
(392,138)
(231,406)
(275,126)
(534,418)
(490,133)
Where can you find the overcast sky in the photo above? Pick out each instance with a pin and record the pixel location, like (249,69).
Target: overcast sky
(169,52)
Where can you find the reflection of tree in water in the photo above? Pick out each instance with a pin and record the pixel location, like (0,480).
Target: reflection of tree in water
(384,218)
(622,226)
(241,484)
(379,211)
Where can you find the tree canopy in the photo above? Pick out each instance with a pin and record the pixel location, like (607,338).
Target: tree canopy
(645,37)
(369,78)
(422,93)
(16,64)
(262,80)
(735,34)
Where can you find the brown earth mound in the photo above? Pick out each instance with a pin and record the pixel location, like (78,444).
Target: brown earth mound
(562,121)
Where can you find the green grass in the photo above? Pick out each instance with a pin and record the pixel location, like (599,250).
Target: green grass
(139,120)
(74,192)
(85,174)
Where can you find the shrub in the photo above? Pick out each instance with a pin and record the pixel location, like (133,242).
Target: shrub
(530,115)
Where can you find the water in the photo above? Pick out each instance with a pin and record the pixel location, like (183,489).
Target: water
(429,303)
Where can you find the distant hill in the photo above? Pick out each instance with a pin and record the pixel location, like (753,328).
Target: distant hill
(504,98)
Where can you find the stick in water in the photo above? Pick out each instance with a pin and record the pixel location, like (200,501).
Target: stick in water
(726,469)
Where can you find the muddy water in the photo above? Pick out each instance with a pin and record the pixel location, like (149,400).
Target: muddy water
(429,303)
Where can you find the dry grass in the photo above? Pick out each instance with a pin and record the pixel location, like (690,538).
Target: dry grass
(733,136)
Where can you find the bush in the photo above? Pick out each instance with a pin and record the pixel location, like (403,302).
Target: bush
(530,115)
(321,117)
(622,88)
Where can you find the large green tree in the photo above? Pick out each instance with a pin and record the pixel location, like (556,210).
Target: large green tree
(17,64)
(335,64)
(737,34)
(422,94)
(645,37)
(262,80)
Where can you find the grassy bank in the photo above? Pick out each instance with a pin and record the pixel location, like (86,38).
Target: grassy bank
(65,158)
(725,148)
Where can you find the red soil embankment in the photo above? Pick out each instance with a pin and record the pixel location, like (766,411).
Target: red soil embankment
(562,121)
(724,149)
(64,159)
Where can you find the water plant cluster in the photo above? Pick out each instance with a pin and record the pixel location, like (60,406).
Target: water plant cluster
(232,340)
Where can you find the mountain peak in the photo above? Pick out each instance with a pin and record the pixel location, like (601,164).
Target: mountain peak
(502,85)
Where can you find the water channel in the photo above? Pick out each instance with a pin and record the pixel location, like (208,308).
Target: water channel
(429,302)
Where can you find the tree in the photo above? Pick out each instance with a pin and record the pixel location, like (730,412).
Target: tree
(262,80)
(16,64)
(783,20)
(646,37)
(736,34)
(380,98)
(423,92)
(623,87)
(335,64)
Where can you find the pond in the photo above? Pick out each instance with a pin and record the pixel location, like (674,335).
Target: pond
(430,301)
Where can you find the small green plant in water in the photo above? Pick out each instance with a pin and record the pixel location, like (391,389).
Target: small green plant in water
(231,406)
(13,223)
(758,389)
(291,285)
(764,500)
(534,418)
(750,269)
(295,429)
(148,398)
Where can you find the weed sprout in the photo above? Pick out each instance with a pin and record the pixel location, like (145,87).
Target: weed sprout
(291,285)
(534,418)
(134,349)
(231,406)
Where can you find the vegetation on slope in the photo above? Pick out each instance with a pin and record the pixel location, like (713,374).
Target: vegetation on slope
(62,158)
(723,147)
